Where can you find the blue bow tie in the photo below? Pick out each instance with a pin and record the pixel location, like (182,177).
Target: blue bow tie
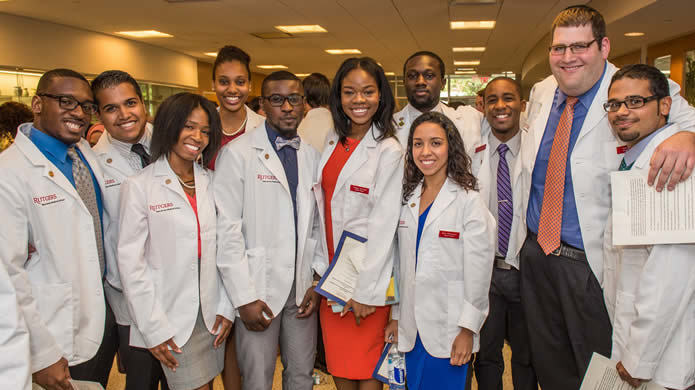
(293,142)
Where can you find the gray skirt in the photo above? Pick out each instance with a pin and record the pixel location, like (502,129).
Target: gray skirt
(199,363)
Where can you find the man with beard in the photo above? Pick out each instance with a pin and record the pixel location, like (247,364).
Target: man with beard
(423,74)
(267,230)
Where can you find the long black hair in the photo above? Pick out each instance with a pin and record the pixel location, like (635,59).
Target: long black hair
(383,118)
(458,166)
(171,118)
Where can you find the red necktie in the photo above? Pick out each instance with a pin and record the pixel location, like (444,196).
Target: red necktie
(550,224)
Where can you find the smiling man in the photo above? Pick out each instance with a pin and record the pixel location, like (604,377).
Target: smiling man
(51,189)
(267,234)
(424,78)
(561,261)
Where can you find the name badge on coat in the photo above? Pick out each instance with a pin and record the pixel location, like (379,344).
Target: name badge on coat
(361,190)
(448,234)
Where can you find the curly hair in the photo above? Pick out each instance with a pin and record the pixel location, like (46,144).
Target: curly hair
(458,166)
(13,114)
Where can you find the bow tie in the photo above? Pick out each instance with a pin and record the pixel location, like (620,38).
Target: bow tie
(293,142)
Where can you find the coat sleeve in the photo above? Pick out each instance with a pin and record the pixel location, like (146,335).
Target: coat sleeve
(665,291)
(14,237)
(14,338)
(478,254)
(136,276)
(373,279)
(228,184)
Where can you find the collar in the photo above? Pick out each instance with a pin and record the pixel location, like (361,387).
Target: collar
(514,144)
(125,148)
(587,97)
(49,144)
(635,151)
(273,134)
(414,112)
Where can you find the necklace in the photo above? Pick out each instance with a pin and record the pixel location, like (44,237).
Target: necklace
(183,183)
(243,124)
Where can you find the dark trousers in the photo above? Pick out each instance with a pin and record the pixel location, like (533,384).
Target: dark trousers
(98,368)
(143,370)
(505,320)
(566,316)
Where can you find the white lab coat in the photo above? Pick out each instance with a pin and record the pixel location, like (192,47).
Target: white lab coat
(158,256)
(449,289)
(467,120)
(59,288)
(520,176)
(253,119)
(256,234)
(14,338)
(594,156)
(116,169)
(377,167)
(650,297)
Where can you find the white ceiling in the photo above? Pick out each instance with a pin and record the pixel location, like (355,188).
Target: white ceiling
(388,30)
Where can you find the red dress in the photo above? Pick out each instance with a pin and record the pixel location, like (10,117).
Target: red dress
(352,351)
(225,140)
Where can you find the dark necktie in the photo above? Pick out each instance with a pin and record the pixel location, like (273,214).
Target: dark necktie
(505,207)
(140,151)
(624,166)
(282,142)
(85,188)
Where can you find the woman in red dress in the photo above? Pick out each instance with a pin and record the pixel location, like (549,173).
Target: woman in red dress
(360,176)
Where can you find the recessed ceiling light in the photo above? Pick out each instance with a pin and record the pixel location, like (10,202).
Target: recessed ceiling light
(343,51)
(464,69)
(38,74)
(145,34)
(302,74)
(211,53)
(472,25)
(467,63)
(634,34)
(465,72)
(301,29)
(468,49)
(390,73)
(271,66)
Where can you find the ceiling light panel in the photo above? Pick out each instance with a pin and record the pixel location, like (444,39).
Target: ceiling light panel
(302,29)
(477,49)
(634,34)
(467,63)
(271,66)
(211,54)
(343,51)
(302,74)
(145,34)
(472,25)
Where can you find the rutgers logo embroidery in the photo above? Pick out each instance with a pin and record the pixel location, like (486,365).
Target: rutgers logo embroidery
(267,178)
(111,182)
(45,200)
(158,208)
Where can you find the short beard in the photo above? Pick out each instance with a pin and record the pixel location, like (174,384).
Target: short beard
(426,105)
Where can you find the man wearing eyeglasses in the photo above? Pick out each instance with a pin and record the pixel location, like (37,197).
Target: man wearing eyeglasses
(561,261)
(649,289)
(51,189)
(267,234)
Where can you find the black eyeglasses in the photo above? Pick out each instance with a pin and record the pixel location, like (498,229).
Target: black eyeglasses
(70,103)
(575,48)
(278,100)
(630,102)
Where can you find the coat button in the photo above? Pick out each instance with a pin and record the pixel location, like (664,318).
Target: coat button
(168,181)
(412,205)
(267,156)
(331,142)
(109,161)
(50,173)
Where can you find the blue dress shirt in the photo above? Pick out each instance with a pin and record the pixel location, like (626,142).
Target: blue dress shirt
(288,158)
(571,232)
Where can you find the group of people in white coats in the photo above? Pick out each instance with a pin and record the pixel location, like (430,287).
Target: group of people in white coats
(139,246)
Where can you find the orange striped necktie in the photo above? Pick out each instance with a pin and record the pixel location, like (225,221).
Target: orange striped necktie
(550,223)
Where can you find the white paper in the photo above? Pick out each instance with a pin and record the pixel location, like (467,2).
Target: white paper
(77,385)
(342,279)
(602,375)
(642,216)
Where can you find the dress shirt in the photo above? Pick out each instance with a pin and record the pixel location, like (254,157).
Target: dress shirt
(571,231)
(288,158)
(634,152)
(124,149)
(56,151)
(514,145)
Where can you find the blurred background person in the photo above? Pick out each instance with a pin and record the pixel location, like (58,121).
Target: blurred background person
(317,121)
(12,114)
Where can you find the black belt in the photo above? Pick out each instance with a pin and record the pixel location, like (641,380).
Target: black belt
(501,264)
(563,250)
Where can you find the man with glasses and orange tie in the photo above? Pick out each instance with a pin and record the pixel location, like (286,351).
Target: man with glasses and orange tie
(267,239)
(51,190)
(561,261)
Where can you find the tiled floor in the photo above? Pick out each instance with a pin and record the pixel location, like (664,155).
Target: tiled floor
(117,381)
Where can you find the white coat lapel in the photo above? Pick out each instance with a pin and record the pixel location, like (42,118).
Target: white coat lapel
(414,203)
(540,120)
(109,157)
(358,157)
(331,144)
(484,169)
(596,112)
(167,177)
(268,156)
(447,194)
(93,162)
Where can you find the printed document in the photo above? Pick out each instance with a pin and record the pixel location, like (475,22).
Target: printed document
(339,281)
(602,375)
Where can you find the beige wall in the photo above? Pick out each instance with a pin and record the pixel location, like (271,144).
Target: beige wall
(30,43)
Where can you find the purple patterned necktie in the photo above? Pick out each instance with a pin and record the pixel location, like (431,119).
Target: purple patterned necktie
(505,209)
